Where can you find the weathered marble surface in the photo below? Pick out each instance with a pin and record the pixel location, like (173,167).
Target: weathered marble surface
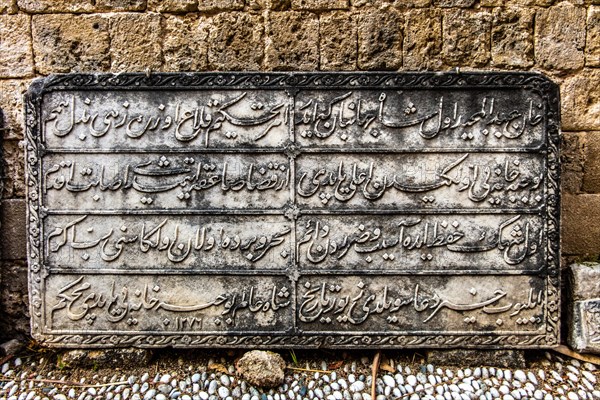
(584,310)
(414,210)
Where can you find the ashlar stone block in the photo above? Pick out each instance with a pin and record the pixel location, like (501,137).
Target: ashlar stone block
(338,50)
(135,49)
(13,235)
(220,5)
(592,42)
(173,6)
(573,157)
(423,40)
(560,37)
(70,43)
(235,41)
(15,46)
(380,39)
(185,43)
(591,170)
(580,101)
(319,5)
(466,36)
(56,6)
(512,37)
(580,227)
(454,3)
(292,41)
(11,103)
(120,5)
(8,6)
(14,158)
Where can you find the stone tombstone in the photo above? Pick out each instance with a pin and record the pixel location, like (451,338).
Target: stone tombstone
(294,210)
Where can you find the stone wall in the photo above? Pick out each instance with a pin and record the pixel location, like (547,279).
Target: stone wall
(40,37)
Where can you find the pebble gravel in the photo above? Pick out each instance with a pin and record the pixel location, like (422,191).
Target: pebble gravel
(553,377)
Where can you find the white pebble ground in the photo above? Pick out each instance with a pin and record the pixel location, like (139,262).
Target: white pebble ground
(552,377)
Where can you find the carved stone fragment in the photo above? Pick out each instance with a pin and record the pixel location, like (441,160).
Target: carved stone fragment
(584,310)
(294,210)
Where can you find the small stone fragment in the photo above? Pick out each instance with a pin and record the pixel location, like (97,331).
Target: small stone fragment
(11,347)
(105,358)
(262,368)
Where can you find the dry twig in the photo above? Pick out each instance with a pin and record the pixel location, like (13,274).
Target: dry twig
(562,349)
(374,373)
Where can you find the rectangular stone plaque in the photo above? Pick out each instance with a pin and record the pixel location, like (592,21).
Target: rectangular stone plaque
(294,210)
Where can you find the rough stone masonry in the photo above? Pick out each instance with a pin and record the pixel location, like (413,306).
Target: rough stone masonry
(560,39)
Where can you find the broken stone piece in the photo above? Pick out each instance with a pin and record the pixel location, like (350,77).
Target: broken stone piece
(11,347)
(584,308)
(261,368)
(105,358)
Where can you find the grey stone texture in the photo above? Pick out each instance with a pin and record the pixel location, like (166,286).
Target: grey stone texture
(476,358)
(39,37)
(11,347)
(584,307)
(13,236)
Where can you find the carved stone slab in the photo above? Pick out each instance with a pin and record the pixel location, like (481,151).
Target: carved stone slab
(294,210)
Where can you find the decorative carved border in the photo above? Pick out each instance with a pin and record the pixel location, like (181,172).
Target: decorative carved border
(526,80)
(294,80)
